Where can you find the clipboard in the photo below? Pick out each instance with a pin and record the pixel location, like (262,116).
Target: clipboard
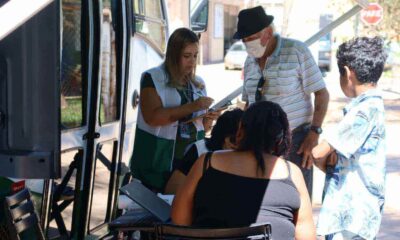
(203,115)
(221,105)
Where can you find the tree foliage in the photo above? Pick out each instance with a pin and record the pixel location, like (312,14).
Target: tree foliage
(389,27)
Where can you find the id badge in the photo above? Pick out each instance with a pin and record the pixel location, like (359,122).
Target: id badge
(184,130)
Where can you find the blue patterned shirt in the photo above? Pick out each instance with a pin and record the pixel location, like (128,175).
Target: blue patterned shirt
(354,191)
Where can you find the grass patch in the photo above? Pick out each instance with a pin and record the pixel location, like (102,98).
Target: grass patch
(71,115)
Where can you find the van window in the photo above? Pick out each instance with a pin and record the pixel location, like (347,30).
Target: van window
(136,7)
(153,31)
(153,9)
(72,97)
(109,84)
(152,24)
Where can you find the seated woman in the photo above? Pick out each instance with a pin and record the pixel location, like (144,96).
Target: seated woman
(222,137)
(252,184)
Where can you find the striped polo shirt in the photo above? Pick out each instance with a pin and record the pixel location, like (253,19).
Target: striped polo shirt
(291,75)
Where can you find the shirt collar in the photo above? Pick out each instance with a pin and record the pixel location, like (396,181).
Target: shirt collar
(372,93)
(278,47)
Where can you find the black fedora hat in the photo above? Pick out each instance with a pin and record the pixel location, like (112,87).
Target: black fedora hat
(252,20)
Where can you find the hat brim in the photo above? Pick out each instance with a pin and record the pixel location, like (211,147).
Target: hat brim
(241,35)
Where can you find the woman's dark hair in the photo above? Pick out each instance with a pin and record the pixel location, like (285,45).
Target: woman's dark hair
(226,126)
(266,130)
(365,56)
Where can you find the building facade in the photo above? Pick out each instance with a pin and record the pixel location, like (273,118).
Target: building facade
(222,20)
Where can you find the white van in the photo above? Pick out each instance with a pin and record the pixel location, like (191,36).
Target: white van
(69,89)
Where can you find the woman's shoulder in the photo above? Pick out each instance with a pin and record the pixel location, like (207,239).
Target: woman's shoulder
(199,82)
(157,73)
(155,69)
(226,153)
(294,169)
(291,167)
(295,173)
(199,79)
(219,155)
(228,160)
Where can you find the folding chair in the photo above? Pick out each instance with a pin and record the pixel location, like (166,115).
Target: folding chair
(21,215)
(169,231)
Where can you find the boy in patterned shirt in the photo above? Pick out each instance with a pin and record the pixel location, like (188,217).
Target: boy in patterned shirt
(353,156)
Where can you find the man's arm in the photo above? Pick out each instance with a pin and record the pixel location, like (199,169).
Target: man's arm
(321,101)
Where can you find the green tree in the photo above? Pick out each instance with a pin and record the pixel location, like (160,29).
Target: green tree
(389,27)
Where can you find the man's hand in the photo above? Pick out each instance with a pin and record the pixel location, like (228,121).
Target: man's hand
(308,144)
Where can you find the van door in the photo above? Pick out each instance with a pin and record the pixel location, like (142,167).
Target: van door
(95,43)
(29,113)
(148,43)
(29,96)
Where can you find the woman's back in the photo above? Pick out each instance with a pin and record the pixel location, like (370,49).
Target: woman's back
(231,193)
(251,184)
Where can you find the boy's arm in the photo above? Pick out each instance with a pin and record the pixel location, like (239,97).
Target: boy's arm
(322,153)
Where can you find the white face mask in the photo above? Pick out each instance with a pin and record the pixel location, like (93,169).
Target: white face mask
(255,49)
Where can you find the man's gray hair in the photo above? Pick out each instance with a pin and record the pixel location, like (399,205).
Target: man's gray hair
(272,26)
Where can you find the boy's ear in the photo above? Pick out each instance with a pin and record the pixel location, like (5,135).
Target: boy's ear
(347,72)
(350,75)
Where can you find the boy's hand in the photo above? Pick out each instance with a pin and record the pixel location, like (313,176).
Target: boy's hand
(323,155)
(332,158)
(308,144)
(321,164)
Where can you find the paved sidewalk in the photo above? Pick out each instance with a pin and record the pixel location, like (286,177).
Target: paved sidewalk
(390,227)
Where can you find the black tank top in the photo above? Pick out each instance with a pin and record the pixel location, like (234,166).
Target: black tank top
(227,200)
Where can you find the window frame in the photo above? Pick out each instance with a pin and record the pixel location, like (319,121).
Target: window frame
(142,17)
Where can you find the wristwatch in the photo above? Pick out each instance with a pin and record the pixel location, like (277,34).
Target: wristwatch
(316,129)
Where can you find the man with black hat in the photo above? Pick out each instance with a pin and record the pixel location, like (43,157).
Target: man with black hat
(283,70)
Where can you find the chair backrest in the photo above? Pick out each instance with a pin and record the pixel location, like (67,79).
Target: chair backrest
(169,231)
(21,214)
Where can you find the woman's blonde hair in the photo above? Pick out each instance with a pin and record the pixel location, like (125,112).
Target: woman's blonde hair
(177,42)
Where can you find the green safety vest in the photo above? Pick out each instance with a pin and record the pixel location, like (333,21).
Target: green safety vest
(153,151)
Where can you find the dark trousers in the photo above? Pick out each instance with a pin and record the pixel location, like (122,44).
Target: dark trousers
(298,136)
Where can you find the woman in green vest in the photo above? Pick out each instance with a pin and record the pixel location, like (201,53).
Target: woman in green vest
(171,99)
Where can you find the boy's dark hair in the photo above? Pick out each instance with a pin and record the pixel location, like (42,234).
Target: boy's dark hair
(365,56)
(226,126)
(266,130)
